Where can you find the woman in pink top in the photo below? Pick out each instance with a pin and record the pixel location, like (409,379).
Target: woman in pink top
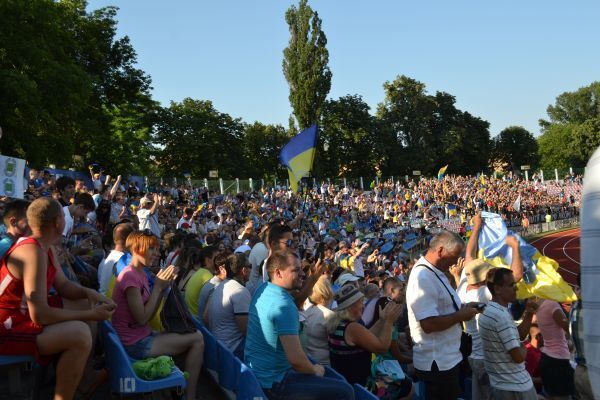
(137,305)
(555,367)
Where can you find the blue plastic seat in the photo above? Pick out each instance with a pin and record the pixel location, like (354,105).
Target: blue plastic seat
(10,360)
(211,362)
(361,393)
(228,369)
(420,390)
(332,373)
(123,379)
(248,386)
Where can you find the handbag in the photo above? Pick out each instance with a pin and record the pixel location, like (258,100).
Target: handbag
(175,316)
(466,342)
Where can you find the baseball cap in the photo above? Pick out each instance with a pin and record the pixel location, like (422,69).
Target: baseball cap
(145,200)
(476,271)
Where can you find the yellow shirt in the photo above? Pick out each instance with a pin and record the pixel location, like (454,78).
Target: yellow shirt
(193,288)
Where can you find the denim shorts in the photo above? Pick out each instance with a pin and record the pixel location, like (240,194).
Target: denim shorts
(141,349)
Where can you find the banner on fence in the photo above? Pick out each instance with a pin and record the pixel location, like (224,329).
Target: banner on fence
(11,177)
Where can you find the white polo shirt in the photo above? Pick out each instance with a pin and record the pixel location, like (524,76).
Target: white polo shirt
(427,297)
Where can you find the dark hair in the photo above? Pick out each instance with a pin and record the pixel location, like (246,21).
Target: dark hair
(208,252)
(235,263)
(279,260)
(63,182)
(391,282)
(86,200)
(276,233)
(15,208)
(495,277)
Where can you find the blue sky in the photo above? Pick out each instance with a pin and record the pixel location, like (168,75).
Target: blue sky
(504,61)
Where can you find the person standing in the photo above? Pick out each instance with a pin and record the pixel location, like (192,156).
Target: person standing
(503,352)
(435,315)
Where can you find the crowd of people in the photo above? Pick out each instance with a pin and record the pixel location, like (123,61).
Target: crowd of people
(374,284)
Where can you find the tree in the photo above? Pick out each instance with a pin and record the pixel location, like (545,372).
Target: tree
(573,131)
(516,146)
(194,137)
(346,146)
(305,64)
(261,146)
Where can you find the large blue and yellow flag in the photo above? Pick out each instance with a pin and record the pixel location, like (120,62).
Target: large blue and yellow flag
(540,273)
(442,172)
(298,155)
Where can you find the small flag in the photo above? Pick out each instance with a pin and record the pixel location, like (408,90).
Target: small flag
(298,155)
(451,210)
(517,204)
(482,180)
(442,172)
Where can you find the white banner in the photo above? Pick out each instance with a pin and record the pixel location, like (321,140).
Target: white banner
(11,177)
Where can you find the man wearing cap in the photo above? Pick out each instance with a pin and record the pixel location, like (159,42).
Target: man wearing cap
(147,214)
(435,316)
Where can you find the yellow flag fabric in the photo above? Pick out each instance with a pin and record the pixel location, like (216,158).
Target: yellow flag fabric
(442,172)
(298,155)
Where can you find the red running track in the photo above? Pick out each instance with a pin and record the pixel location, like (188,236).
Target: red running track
(564,247)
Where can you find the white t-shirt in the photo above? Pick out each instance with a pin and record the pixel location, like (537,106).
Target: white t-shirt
(228,299)
(257,255)
(68,222)
(315,327)
(480,295)
(105,269)
(190,222)
(148,221)
(426,296)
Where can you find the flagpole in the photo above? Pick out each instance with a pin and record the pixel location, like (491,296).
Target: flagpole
(312,163)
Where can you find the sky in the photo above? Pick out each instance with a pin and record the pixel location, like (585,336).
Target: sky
(504,61)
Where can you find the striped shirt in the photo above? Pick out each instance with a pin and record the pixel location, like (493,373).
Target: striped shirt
(499,335)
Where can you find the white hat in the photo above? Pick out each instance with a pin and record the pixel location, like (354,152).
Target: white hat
(345,278)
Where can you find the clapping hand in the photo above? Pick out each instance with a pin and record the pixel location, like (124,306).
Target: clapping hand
(165,277)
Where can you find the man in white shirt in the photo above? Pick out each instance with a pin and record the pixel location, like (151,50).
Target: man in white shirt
(435,316)
(188,218)
(105,268)
(147,214)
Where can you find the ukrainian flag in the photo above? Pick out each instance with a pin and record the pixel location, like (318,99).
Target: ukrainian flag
(442,172)
(540,273)
(298,155)
(451,210)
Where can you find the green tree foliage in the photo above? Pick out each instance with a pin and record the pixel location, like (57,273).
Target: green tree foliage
(194,137)
(346,147)
(572,132)
(516,146)
(261,146)
(69,87)
(305,64)
(424,132)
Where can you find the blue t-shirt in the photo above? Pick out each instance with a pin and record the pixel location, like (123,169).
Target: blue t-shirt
(5,244)
(272,313)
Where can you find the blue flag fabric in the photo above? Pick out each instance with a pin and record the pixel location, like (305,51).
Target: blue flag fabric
(298,155)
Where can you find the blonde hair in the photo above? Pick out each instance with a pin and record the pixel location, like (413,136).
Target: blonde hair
(322,292)
(332,322)
(43,212)
(139,242)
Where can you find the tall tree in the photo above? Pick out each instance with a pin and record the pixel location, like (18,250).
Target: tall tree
(305,64)
(516,146)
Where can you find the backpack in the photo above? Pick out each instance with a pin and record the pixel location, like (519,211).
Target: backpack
(175,316)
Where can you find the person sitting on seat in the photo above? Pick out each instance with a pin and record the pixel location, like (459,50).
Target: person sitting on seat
(40,325)
(137,305)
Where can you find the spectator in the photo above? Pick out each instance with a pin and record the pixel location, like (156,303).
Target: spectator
(82,205)
(351,343)
(228,306)
(45,325)
(66,189)
(534,354)
(107,267)
(188,218)
(503,353)
(199,279)
(15,222)
(316,312)
(435,317)
(555,367)
(273,350)
(147,214)
(209,287)
(137,304)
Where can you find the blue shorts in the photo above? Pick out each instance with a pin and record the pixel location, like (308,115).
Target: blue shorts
(141,349)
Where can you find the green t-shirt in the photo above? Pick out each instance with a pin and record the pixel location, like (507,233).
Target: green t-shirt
(193,288)
(548,218)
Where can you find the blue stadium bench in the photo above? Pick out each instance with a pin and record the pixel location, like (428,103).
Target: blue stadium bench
(123,379)
(14,371)
(361,393)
